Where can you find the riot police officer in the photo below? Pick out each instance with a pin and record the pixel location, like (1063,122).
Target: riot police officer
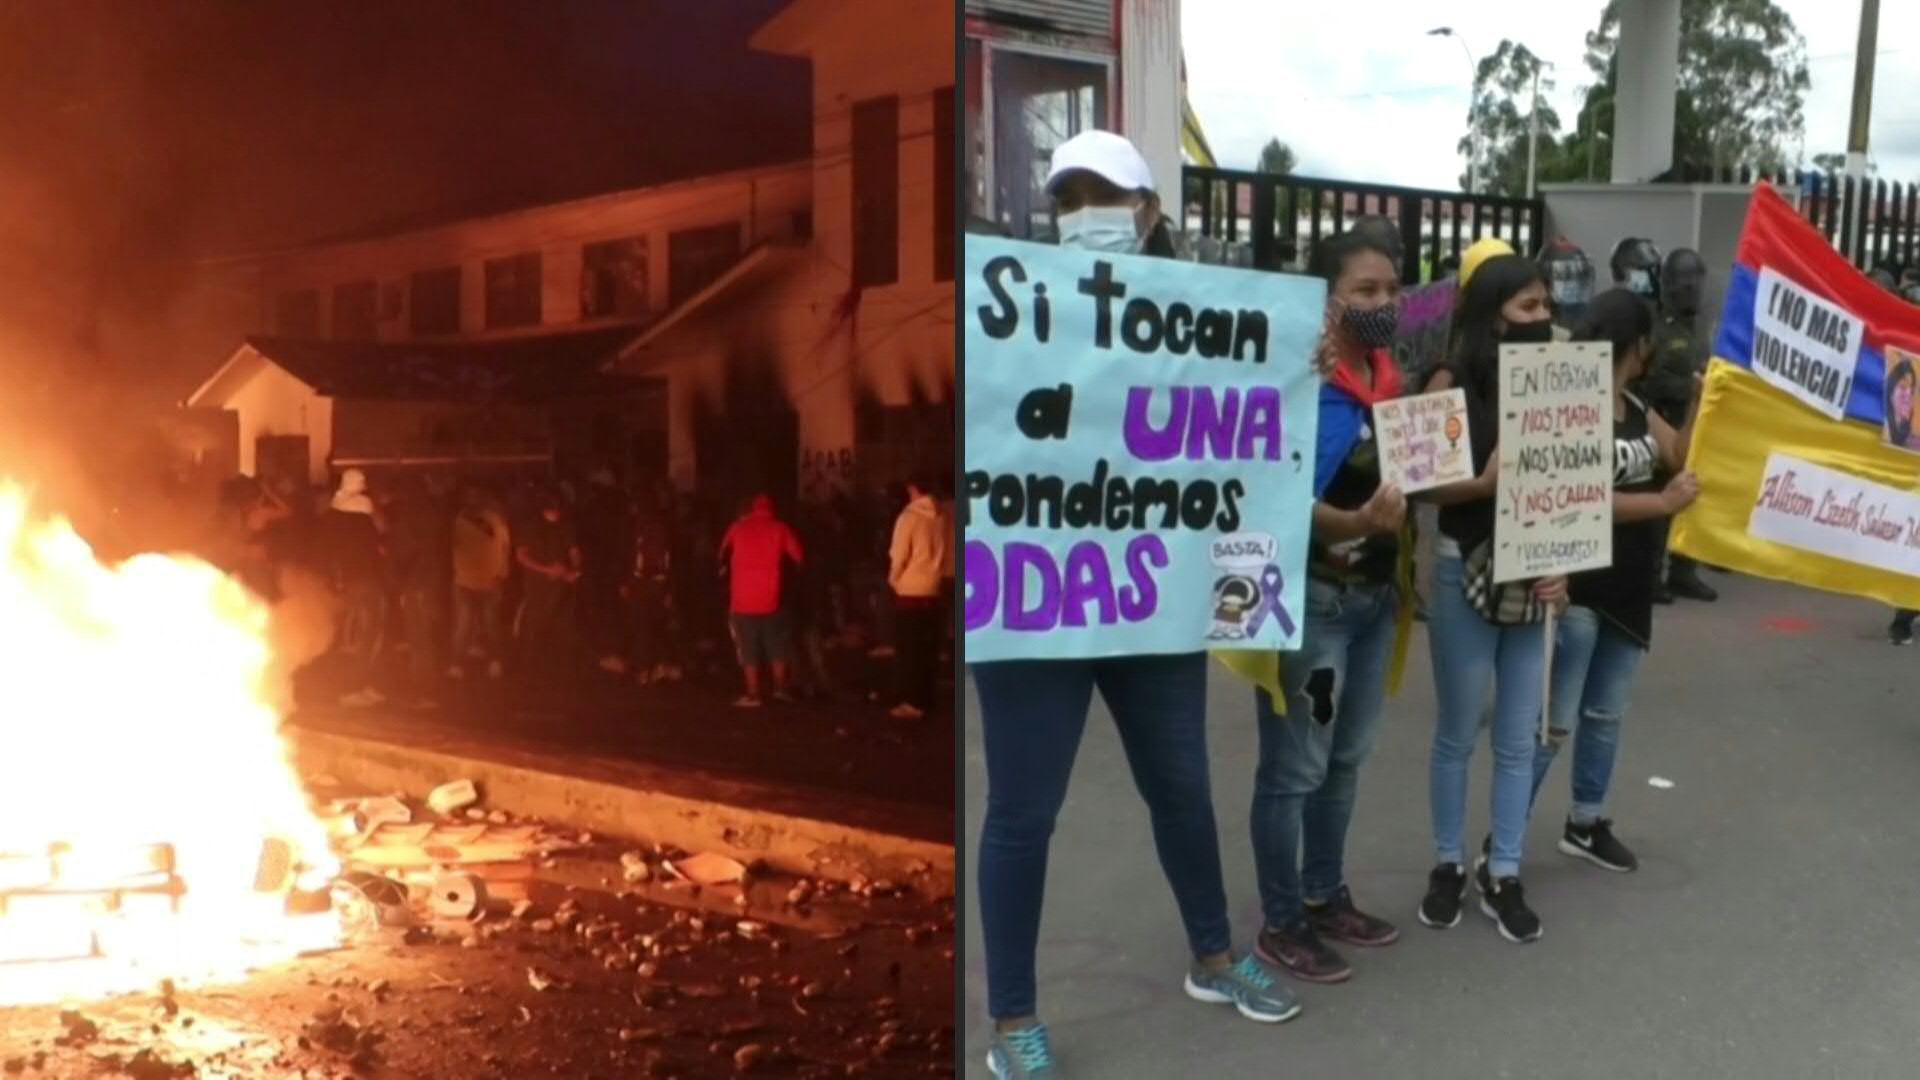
(1679,354)
(1636,267)
(1569,279)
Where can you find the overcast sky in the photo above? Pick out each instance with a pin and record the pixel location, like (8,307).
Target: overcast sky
(1371,97)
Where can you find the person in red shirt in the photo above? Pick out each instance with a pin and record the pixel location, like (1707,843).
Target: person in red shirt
(754,550)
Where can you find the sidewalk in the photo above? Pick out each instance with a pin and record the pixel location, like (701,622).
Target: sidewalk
(837,789)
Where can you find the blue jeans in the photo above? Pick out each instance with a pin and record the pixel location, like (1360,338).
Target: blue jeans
(1470,657)
(1032,713)
(1310,759)
(1594,663)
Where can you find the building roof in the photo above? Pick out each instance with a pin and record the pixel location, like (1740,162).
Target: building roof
(793,31)
(760,261)
(527,370)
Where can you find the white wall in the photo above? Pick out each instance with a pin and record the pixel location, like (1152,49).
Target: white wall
(1150,87)
(899,346)
(275,403)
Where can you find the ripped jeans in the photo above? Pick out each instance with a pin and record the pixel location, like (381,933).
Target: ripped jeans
(1594,663)
(1310,759)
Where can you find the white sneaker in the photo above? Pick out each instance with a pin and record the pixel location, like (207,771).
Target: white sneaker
(904,711)
(746,701)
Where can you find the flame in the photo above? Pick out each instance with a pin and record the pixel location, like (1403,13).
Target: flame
(137,708)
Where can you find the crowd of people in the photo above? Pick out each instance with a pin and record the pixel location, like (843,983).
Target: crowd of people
(435,579)
(1318,721)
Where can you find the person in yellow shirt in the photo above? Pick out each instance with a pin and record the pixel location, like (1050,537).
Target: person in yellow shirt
(482,557)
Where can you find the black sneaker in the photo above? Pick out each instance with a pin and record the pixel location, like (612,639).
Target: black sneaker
(1595,843)
(1901,632)
(1297,950)
(1341,921)
(1445,888)
(1506,905)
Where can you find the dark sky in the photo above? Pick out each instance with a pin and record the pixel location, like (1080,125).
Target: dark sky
(211,124)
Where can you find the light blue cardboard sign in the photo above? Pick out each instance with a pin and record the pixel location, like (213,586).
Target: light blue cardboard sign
(1140,446)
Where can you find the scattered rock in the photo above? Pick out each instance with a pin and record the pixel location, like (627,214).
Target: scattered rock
(522,908)
(538,979)
(633,867)
(749,1057)
(498,817)
(79,1030)
(544,926)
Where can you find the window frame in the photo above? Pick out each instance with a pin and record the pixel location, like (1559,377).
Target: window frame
(515,263)
(1092,54)
(886,271)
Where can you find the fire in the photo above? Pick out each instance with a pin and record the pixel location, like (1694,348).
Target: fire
(142,774)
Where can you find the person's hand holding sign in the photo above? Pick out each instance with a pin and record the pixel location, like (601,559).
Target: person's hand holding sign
(1384,512)
(1680,492)
(1552,591)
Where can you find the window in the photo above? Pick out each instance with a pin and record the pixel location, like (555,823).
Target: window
(355,314)
(944,220)
(433,301)
(1039,102)
(697,257)
(513,290)
(876,191)
(613,279)
(297,314)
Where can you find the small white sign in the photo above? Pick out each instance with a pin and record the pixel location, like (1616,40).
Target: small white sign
(1424,440)
(1803,344)
(1553,513)
(1831,513)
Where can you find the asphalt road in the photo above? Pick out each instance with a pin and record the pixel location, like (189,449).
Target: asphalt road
(1770,931)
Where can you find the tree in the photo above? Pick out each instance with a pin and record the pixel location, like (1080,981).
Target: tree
(1276,157)
(1501,117)
(1741,84)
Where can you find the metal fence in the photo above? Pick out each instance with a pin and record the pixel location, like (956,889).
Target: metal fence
(1272,221)
(1871,222)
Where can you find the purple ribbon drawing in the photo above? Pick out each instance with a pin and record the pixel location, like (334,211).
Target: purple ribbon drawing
(1271,582)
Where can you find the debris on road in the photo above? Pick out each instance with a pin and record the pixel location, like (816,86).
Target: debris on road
(452,797)
(709,869)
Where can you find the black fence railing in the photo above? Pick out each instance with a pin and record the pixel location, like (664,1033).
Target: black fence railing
(1870,221)
(1278,219)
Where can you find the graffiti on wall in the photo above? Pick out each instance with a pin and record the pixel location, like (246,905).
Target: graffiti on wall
(826,471)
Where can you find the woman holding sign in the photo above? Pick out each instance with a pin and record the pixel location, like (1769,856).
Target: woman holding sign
(1033,713)
(1334,688)
(1480,633)
(1603,636)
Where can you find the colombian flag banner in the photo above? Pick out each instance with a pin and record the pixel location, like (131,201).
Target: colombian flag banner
(1805,446)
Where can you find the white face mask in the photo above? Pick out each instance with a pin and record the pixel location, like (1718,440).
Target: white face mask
(1101,228)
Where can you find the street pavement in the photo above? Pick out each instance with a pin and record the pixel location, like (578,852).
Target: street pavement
(1770,931)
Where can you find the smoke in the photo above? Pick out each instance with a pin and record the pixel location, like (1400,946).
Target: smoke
(301,630)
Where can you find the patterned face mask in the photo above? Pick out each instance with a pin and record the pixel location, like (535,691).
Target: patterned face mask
(1373,327)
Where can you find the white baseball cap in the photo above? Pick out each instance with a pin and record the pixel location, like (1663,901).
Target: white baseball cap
(1105,154)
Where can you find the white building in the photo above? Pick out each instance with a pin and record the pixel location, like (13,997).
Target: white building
(788,328)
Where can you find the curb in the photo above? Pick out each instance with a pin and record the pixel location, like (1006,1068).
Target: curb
(782,827)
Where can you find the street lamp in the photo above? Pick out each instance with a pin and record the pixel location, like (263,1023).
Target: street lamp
(1473,97)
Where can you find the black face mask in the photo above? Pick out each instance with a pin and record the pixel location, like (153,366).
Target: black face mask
(1538,332)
